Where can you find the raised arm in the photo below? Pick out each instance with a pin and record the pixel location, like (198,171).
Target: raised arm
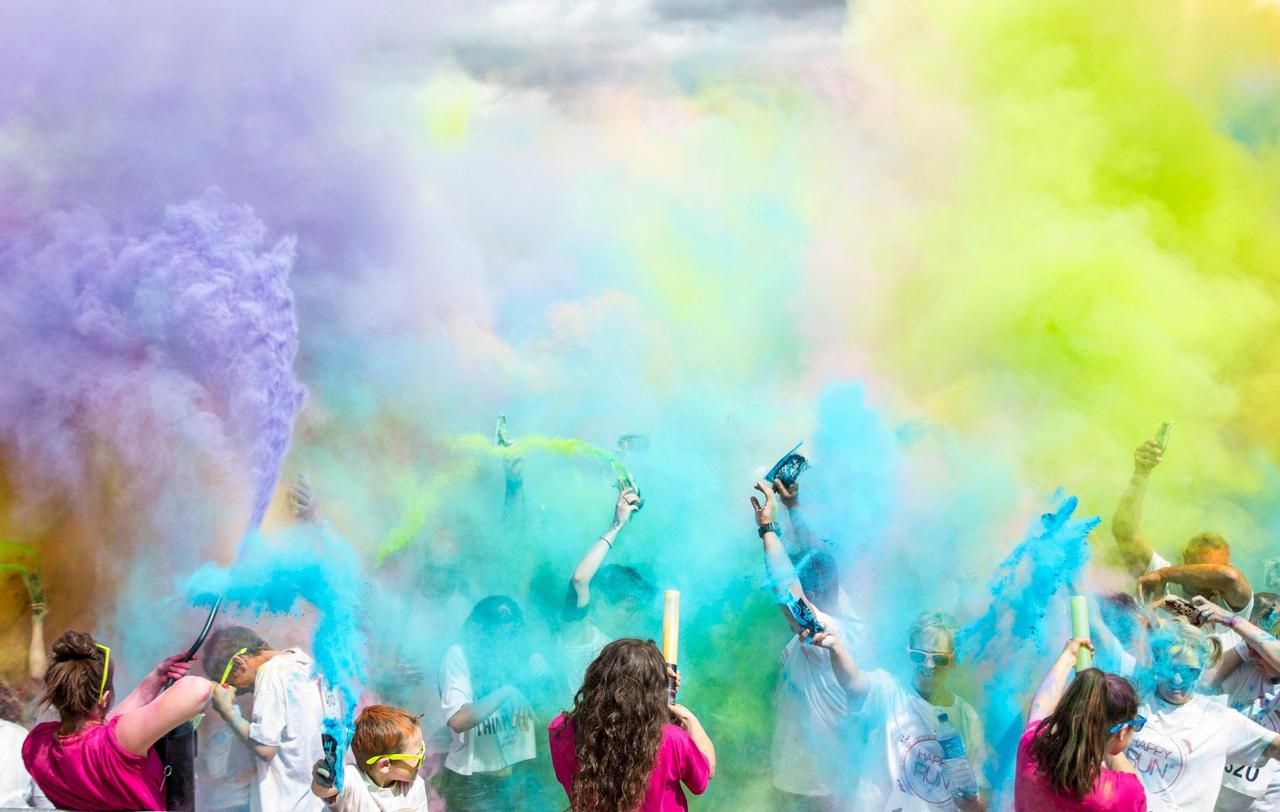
(580,584)
(1260,641)
(781,572)
(1128,516)
(140,728)
(171,668)
(1220,579)
(1054,684)
(37,659)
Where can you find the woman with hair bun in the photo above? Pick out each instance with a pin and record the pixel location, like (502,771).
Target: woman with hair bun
(101,756)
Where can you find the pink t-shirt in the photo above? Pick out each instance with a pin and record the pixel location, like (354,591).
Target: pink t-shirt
(679,759)
(1112,791)
(89,770)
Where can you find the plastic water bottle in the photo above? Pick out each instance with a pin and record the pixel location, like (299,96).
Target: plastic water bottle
(955,765)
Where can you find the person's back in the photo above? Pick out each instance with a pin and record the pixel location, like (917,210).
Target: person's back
(98,757)
(90,770)
(1072,753)
(617,749)
(678,762)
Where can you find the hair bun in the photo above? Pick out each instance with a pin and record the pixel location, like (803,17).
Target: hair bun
(75,645)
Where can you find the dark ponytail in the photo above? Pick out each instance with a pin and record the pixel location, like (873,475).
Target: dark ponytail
(1070,744)
(74,678)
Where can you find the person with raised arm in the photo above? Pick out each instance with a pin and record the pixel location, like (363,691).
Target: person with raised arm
(1072,753)
(1206,569)
(810,706)
(902,764)
(603,600)
(101,756)
(1249,675)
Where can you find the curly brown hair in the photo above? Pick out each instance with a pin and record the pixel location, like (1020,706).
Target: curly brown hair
(617,718)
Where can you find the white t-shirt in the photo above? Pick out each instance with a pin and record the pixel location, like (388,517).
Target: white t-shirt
(901,766)
(288,714)
(360,794)
(577,656)
(1181,753)
(1227,637)
(1246,786)
(810,708)
(17,790)
(494,744)
(225,767)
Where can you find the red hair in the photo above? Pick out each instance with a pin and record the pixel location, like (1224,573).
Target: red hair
(381,730)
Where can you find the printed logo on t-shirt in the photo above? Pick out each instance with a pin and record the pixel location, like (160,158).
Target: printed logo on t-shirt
(1158,759)
(921,769)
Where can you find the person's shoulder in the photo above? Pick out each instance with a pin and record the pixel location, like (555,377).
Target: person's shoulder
(559,725)
(674,736)
(39,735)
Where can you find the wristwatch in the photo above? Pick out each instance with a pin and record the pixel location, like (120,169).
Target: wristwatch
(770,527)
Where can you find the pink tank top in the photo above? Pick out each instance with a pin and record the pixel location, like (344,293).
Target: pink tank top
(90,770)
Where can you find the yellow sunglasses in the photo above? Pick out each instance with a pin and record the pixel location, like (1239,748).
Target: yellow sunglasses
(231,663)
(106,669)
(422,752)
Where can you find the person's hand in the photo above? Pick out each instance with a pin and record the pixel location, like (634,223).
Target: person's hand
(408,673)
(683,715)
(522,717)
(224,700)
(172,667)
(1151,585)
(1209,612)
(764,512)
(302,500)
(1072,648)
(628,500)
(790,498)
(673,674)
(1147,457)
(322,774)
(829,639)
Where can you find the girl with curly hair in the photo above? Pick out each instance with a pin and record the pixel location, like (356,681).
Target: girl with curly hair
(623,748)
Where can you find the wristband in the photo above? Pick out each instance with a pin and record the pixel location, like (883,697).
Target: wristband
(771,527)
(1230,621)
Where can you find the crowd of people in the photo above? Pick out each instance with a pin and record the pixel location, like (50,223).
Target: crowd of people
(1183,712)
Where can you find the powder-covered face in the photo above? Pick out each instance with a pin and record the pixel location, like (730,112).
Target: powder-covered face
(1177,672)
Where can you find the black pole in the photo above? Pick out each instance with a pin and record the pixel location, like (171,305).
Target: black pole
(178,747)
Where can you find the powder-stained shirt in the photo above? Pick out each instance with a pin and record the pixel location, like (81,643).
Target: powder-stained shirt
(1113,791)
(810,706)
(495,744)
(1181,753)
(679,761)
(900,765)
(17,789)
(360,794)
(1254,692)
(288,714)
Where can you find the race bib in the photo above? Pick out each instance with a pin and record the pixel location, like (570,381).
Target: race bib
(1247,780)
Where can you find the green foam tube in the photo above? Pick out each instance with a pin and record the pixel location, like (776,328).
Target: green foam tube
(1080,628)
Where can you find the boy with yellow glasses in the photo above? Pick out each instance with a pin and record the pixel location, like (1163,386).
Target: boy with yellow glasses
(389,750)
